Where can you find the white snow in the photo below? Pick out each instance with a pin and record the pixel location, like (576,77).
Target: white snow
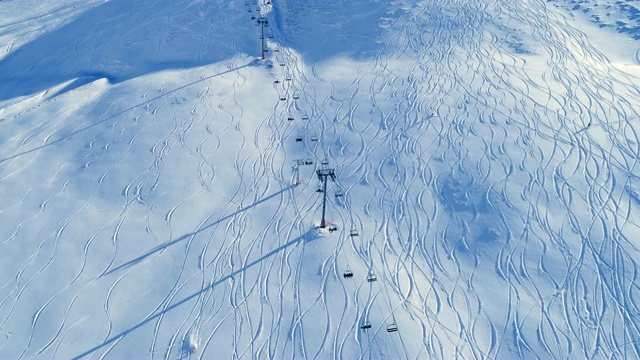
(486,152)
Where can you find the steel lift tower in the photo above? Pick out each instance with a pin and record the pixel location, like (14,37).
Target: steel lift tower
(263,22)
(323,174)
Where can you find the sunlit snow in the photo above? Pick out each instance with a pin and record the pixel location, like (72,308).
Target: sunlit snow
(486,199)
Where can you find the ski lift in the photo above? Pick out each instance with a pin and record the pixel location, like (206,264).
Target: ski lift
(348,274)
(298,138)
(282,64)
(276,50)
(276,82)
(353,232)
(296,96)
(314,138)
(305,117)
(308,162)
(282,98)
(392,327)
(339,193)
(365,326)
(324,162)
(288,78)
(290,118)
(333,228)
(372,278)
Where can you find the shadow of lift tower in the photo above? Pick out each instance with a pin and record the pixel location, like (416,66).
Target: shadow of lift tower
(323,174)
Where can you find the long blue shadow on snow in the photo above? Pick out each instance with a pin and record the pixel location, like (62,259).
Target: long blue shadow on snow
(192,234)
(306,237)
(123,39)
(321,29)
(121,112)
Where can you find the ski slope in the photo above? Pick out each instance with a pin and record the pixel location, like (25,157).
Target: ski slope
(486,195)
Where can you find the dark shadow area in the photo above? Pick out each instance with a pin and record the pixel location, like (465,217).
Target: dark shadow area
(57,141)
(122,39)
(323,29)
(192,234)
(306,237)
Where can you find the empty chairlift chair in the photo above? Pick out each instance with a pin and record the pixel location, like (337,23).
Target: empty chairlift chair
(353,232)
(392,327)
(372,278)
(305,117)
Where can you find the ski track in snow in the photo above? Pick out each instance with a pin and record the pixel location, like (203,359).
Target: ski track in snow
(494,201)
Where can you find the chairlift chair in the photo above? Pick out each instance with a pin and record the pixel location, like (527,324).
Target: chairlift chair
(353,232)
(365,326)
(314,138)
(290,118)
(276,82)
(305,117)
(282,98)
(288,78)
(372,278)
(392,327)
(296,96)
(339,193)
(308,162)
(333,228)
(347,274)
(298,138)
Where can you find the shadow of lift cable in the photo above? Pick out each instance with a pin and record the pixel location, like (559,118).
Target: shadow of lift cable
(191,234)
(308,236)
(120,113)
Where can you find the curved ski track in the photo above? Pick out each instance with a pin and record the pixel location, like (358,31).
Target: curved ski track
(495,202)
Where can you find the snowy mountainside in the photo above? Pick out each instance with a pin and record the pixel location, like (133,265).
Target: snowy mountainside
(485,199)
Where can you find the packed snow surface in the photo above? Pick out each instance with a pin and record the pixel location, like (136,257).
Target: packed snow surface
(160,196)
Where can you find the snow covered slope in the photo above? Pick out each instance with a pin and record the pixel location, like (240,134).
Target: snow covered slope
(486,195)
